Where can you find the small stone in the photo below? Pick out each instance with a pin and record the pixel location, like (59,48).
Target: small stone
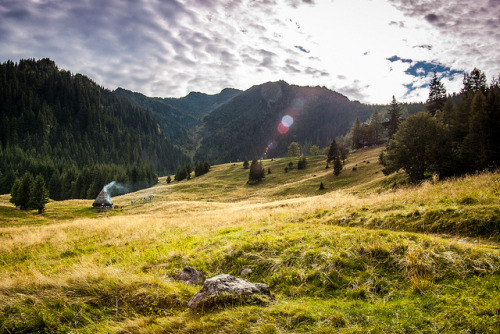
(246,271)
(190,276)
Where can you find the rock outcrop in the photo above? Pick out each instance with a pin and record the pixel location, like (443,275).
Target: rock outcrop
(226,289)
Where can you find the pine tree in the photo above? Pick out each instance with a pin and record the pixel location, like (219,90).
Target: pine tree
(333,152)
(337,166)
(394,115)
(39,195)
(474,82)
(246,164)
(14,192)
(24,193)
(356,134)
(375,127)
(437,95)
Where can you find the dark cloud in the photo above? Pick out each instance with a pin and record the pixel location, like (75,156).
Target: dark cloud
(301,48)
(396,58)
(432,18)
(423,46)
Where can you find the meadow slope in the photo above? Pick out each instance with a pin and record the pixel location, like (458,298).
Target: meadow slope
(368,253)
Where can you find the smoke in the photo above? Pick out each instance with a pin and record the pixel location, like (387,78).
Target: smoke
(115,188)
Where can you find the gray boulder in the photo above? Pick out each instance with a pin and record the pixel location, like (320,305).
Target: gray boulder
(191,276)
(226,289)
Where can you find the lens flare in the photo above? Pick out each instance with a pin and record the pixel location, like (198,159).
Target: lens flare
(287,121)
(282,129)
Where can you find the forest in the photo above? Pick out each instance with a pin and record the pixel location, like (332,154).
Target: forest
(76,134)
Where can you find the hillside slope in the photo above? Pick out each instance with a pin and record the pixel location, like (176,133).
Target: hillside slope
(337,260)
(244,126)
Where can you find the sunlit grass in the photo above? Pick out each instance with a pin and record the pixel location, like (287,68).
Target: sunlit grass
(345,259)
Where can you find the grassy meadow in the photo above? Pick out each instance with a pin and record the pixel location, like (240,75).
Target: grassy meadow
(369,253)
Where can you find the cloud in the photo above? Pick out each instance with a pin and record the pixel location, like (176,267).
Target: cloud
(396,58)
(468,32)
(399,24)
(302,49)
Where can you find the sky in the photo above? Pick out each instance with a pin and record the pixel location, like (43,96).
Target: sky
(368,50)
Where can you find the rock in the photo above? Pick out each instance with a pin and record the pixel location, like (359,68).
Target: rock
(226,289)
(191,276)
(246,271)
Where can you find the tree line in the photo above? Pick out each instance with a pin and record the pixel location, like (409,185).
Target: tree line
(449,139)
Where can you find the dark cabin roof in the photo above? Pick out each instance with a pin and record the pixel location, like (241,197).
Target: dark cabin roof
(103,200)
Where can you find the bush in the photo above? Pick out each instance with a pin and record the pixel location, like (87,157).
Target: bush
(302,164)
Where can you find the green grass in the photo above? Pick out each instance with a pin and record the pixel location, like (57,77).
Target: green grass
(361,256)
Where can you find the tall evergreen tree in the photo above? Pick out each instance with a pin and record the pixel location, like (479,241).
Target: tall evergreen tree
(437,95)
(333,152)
(394,115)
(356,136)
(24,193)
(39,195)
(375,127)
(337,166)
(14,192)
(474,81)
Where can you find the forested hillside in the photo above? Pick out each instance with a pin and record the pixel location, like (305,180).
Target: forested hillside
(252,121)
(75,133)
(179,118)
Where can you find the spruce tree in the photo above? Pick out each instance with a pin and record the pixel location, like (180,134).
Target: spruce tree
(39,195)
(394,115)
(437,95)
(24,193)
(337,166)
(375,127)
(333,152)
(356,134)
(14,192)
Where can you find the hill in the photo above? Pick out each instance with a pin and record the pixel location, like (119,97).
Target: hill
(369,253)
(179,118)
(56,123)
(247,124)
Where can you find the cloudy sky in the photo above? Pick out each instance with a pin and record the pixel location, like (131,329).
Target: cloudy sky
(368,50)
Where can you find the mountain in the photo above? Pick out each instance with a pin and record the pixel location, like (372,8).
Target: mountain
(180,117)
(251,122)
(57,123)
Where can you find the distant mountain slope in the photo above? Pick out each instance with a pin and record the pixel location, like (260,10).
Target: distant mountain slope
(180,117)
(250,122)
